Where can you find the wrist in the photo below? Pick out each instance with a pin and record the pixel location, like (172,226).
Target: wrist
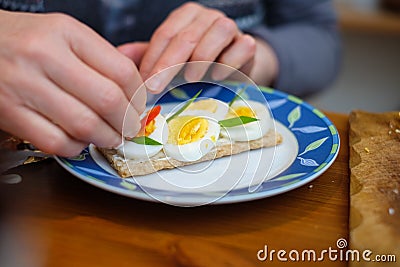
(266,66)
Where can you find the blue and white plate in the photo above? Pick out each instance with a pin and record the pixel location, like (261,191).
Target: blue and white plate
(310,145)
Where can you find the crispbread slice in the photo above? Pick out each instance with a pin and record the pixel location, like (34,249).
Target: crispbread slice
(128,167)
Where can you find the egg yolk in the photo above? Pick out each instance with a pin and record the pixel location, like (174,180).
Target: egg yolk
(186,129)
(241,111)
(206,104)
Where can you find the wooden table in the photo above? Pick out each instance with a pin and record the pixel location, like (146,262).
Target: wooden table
(52,218)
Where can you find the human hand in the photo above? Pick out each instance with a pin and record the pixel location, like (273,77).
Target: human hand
(62,86)
(195,33)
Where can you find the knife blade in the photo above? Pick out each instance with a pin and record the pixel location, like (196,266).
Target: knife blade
(15,152)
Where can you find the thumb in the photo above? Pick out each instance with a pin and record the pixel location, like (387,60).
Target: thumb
(134,51)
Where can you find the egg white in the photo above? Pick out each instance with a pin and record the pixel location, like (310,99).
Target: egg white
(219,114)
(253,130)
(132,150)
(195,150)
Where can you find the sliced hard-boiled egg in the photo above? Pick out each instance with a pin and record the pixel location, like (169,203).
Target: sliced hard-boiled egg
(253,130)
(191,137)
(155,127)
(208,108)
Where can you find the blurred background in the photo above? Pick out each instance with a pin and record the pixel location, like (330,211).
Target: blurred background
(370,74)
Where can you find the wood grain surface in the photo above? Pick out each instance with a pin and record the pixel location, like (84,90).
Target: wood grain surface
(52,218)
(375,185)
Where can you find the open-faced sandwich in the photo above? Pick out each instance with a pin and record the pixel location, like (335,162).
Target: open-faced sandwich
(198,131)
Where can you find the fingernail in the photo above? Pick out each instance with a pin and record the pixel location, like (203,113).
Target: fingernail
(131,133)
(153,84)
(219,75)
(191,75)
(120,144)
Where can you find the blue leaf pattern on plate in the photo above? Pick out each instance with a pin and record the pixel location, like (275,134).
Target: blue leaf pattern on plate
(310,129)
(130,180)
(256,188)
(289,176)
(294,116)
(128,185)
(179,94)
(273,104)
(314,145)
(244,96)
(211,92)
(95,172)
(308,162)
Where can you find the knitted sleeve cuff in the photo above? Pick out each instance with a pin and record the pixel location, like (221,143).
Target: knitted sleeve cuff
(23,5)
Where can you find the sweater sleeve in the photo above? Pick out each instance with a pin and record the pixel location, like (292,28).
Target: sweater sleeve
(305,38)
(22,5)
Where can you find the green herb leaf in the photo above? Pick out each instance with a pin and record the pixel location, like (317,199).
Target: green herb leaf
(144,140)
(236,121)
(184,107)
(238,94)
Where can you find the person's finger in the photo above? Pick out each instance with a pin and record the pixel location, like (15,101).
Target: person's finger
(181,47)
(80,122)
(175,22)
(42,133)
(112,64)
(138,102)
(102,95)
(237,55)
(178,51)
(222,32)
(135,51)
